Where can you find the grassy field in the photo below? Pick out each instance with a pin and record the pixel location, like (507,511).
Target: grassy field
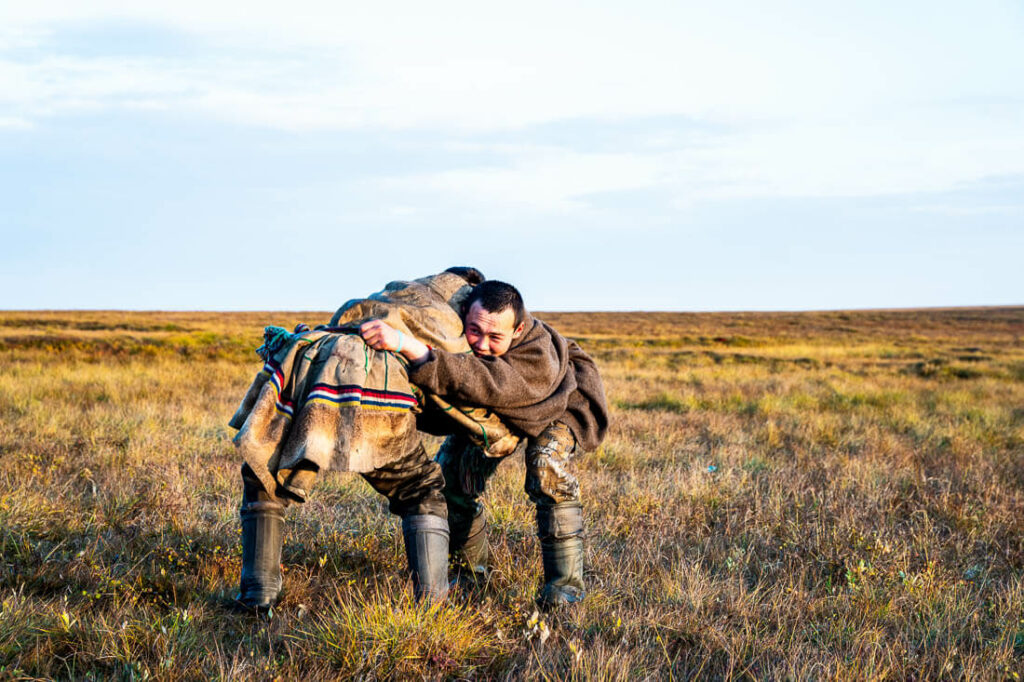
(812,495)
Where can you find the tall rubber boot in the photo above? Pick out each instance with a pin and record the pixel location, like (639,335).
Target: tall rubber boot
(468,548)
(560,530)
(262,535)
(426,550)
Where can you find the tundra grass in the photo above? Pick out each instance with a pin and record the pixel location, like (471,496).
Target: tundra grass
(834,495)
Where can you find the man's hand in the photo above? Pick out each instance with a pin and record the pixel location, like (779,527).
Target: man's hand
(380,335)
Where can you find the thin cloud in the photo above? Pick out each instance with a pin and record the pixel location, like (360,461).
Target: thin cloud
(853,159)
(408,65)
(14,123)
(809,101)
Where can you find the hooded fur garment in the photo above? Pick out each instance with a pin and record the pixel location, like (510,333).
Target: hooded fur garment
(326,399)
(541,379)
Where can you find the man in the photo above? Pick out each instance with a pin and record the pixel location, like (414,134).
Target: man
(540,384)
(324,400)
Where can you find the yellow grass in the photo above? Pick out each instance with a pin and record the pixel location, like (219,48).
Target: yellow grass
(782,495)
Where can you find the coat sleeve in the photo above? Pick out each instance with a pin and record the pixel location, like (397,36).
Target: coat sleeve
(524,376)
(587,413)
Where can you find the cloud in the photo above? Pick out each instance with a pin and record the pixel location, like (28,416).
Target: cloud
(468,66)
(822,100)
(947,209)
(536,178)
(14,123)
(892,157)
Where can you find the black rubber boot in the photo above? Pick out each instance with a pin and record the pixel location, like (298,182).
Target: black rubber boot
(469,550)
(560,529)
(262,528)
(426,549)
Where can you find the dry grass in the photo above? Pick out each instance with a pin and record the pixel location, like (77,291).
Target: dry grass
(815,495)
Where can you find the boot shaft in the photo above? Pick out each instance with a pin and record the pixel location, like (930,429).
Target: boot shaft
(560,530)
(426,550)
(468,545)
(559,521)
(262,536)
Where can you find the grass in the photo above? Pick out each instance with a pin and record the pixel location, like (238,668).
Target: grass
(782,495)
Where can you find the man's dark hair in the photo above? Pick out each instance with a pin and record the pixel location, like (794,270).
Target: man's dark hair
(496,297)
(471,275)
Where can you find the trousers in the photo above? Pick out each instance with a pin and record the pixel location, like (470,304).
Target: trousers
(549,473)
(412,484)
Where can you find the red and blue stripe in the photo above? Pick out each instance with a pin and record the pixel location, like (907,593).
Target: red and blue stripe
(366,398)
(339,396)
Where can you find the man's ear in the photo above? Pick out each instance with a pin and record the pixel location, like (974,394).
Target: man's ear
(519,330)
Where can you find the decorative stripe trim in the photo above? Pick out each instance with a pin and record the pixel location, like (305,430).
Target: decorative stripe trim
(364,397)
(339,396)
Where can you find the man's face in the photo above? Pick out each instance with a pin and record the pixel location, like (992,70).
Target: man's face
(491,333)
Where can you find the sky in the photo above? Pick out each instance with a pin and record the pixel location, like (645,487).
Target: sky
(650,155)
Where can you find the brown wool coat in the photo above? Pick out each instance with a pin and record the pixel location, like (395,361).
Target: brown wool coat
(541,379)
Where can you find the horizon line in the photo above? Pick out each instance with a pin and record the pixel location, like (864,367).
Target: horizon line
(937,308)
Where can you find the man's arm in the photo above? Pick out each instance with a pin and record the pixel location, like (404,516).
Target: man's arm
(488,381)
(525,376)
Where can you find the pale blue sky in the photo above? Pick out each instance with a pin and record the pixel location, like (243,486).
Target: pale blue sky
(642,155)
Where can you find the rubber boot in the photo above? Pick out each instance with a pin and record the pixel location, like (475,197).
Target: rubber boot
(426,549)
(469,550)
(560,530)
(262,527)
